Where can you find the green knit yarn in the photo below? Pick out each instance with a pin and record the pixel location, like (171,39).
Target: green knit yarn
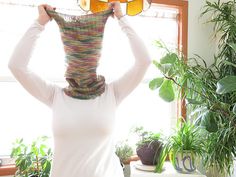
(82,39)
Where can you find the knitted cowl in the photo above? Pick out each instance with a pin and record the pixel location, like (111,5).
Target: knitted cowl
(82,39)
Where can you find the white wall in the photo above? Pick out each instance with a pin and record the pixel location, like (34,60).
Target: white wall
(199,34)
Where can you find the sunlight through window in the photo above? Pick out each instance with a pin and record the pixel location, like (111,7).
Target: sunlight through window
(22,115)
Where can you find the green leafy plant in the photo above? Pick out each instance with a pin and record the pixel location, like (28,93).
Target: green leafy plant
(209,102)
(186,138)
(208,90)
(32,160)
(124,151)
(168,66)
(149,146)
(146,137)
(222,149)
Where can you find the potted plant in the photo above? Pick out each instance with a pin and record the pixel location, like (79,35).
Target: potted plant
(200,85)
(221,151)
(124,152)
(182,147)
(32,160)
(149,146)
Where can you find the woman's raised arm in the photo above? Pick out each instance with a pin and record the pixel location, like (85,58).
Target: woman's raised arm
(19,60)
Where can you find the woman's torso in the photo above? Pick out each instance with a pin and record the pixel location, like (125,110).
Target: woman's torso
(82,130)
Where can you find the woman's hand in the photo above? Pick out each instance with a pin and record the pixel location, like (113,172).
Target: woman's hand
(43,17)
(116,9)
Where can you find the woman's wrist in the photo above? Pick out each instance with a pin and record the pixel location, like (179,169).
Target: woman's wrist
(119,14)
(39,25)
(41,22)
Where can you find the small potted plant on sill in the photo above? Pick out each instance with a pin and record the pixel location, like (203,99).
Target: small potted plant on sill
(124,151)
(33,160)
(149,146)
(182,147)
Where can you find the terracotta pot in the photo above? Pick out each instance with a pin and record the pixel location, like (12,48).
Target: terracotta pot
(148,153)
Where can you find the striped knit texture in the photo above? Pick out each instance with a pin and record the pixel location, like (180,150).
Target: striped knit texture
(82,39)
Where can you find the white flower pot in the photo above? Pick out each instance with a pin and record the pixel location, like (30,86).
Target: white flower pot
(184,162)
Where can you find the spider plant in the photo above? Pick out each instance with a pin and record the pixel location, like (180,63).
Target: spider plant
(186,139)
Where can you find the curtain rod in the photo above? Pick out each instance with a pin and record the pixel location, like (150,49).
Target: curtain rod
(34,6)
(144,14)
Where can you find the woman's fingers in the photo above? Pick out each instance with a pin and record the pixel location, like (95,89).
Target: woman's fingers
(116,8)
(42,8)
(43,16)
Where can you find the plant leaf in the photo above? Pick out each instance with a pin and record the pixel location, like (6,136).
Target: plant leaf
(233,46)
(193,101)
(164,68)
(226,85)
(157,64)
(169,58)
(234,109)
(159,44)
(229,63)
(166,91)
(208,120)
(156,83)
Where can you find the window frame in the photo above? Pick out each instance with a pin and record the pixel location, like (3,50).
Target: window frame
(182,7)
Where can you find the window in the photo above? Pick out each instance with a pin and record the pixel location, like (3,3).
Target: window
(22,115)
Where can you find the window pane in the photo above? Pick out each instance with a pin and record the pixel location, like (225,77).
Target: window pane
(22,115)
(117,56)
(48,52)
(143,107)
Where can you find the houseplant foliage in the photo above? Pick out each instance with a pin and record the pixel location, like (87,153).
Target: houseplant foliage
(182,146)
(124,151)
(208,90)
(32,160)
(223,15)
(149,146)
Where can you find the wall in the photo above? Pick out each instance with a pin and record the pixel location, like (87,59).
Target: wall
(199,35)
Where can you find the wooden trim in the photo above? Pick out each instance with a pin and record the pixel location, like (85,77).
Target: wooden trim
(7,170)
(132,158)
(173,3)
(184,49)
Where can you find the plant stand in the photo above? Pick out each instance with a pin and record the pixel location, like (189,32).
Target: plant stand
(168,171)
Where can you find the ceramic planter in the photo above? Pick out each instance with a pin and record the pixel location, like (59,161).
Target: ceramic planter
(148,153)
(184,162)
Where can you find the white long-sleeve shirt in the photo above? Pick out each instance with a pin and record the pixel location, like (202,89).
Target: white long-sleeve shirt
(82,129)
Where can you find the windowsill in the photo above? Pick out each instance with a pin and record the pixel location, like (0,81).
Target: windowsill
(168,171)
(11,169)
(7,170)
(132,158)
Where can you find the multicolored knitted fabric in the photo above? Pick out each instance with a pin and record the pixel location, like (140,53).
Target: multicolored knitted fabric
(82,39)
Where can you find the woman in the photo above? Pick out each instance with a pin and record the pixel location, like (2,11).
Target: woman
(82,129)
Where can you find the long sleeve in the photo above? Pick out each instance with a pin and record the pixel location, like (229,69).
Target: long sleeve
(18,65)
(129,81)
